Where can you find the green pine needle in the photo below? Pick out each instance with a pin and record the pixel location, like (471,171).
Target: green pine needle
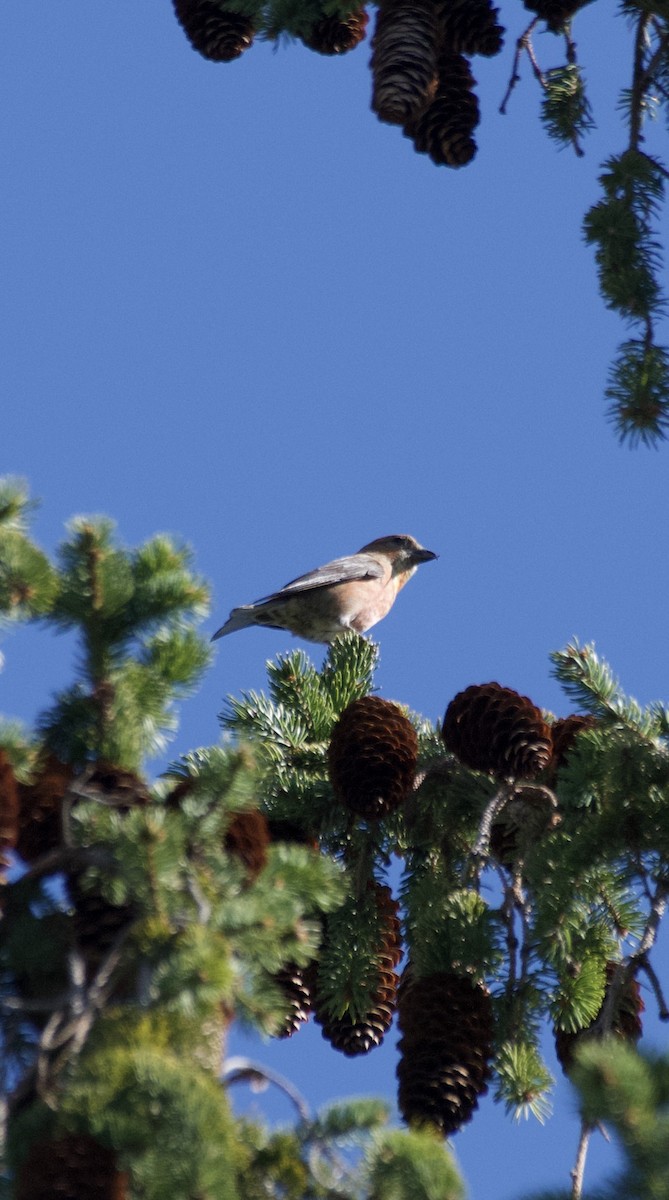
(565,109)
(523,1082)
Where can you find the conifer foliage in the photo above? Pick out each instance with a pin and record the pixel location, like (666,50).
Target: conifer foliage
(251,881)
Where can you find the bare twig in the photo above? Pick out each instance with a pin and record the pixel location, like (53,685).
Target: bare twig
(640,80)
(579,1166)
(570,44)
(521,46)
(243,1070)
(626,969)
(662,1010)
(479,852)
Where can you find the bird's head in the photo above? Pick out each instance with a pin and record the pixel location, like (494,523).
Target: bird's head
(404,551)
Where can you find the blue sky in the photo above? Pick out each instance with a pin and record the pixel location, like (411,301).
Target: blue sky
(237,308)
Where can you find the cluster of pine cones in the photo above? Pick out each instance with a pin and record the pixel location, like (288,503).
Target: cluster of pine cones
(420,69)
(421,73)
(420,64)
(446,1020)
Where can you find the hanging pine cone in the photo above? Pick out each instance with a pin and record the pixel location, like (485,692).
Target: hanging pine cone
(9,804)
(446,1049)
(443,129)
(40,805)
(353,1037)
(555,13)
(337,35)
(372,757)
(470,27)
(404,58)
(214,31)
(492,728)
(75,1167)
(247,838)
(359,1037)
(626,1022)
(525,819)
(294,982)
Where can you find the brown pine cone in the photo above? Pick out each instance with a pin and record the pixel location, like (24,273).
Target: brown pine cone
(337,35)
(470,27)
(626,1022)
(353,1037)
(372,757)
(443,129)
(555,13)
(295,983)
(40,806)
(105,783)
(564,732)
(359,1037)
(247,838)
(214,31)
(9,804)
(74,1167)
(446,1022)
(404,58)
(494,729)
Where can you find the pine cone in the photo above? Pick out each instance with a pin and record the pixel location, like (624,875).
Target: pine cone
(337,35)
(40,805)
(470,27)
(563,733)
(443,129)
(247,838)
(525,819)
(555,13)
(372,757)
(9,804)
(295,983)
(492,728)
(447,1024)
(75,1167)
(105,783)
(404,58)
(353,1037)
(214,31)
(626,1020)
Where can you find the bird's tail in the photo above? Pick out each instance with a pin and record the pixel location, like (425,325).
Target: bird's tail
(240,618)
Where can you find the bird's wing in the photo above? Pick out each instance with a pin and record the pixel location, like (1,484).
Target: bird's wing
(340,570)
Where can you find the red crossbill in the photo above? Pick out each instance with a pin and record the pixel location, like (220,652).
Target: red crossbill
(349,593)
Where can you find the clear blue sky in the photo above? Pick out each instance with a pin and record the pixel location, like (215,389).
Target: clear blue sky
(237,308)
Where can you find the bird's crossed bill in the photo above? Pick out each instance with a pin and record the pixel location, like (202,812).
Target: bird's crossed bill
(353,592)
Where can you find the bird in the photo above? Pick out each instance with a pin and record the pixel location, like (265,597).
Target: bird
(353,592)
